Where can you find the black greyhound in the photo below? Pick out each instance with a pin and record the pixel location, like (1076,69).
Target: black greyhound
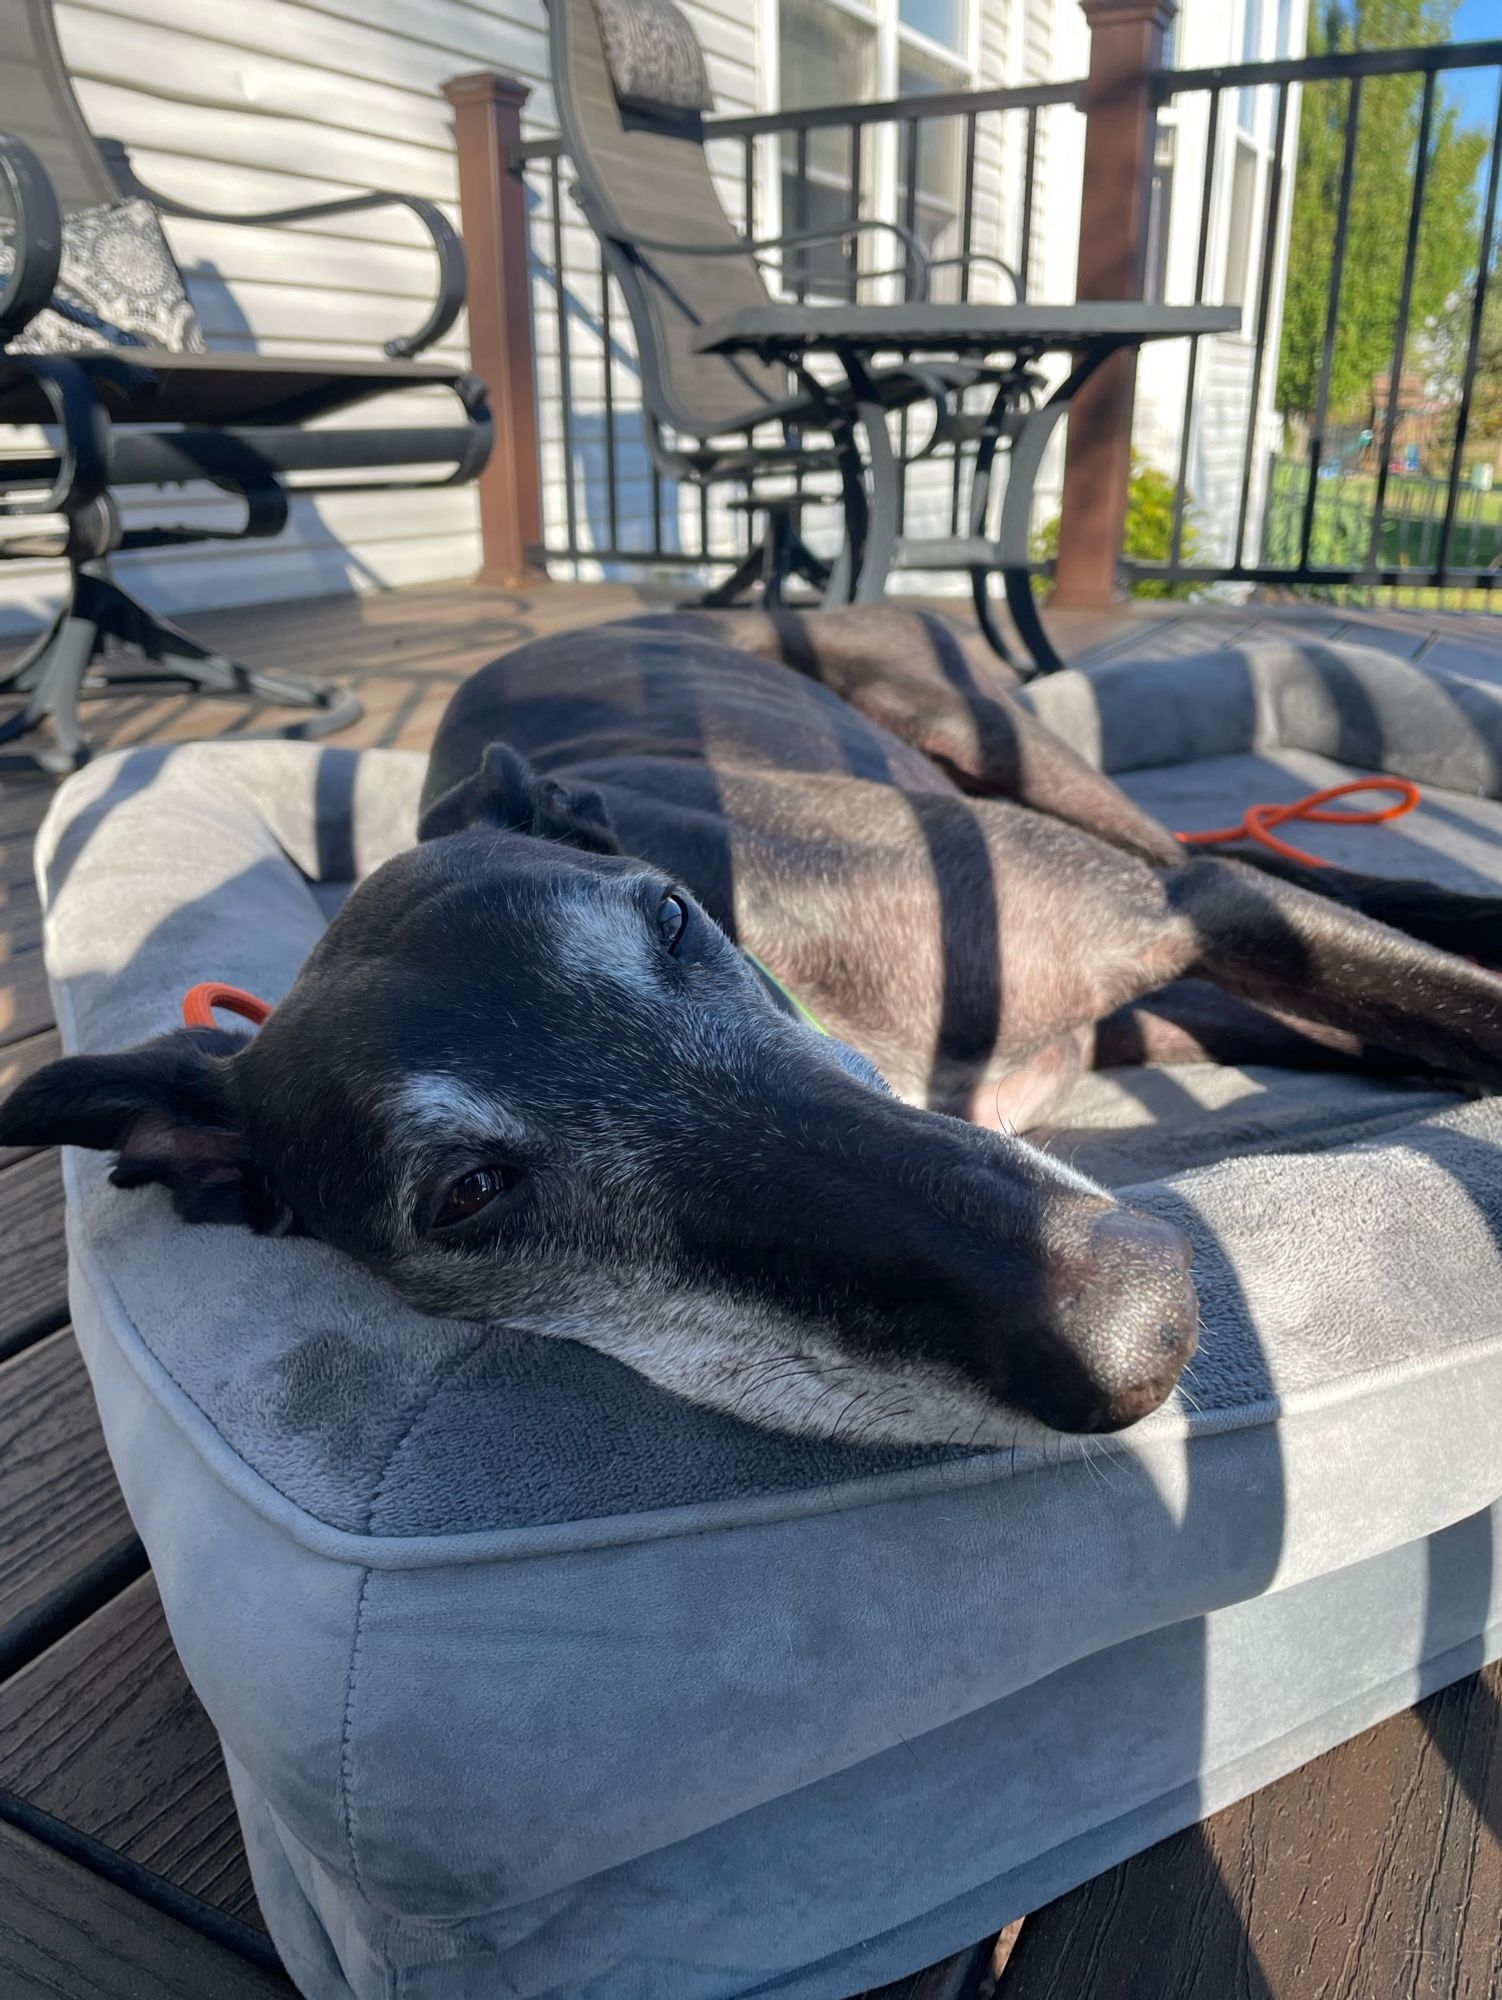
(529,1078)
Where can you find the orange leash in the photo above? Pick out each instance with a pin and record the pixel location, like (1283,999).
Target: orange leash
(200,1001)
(1260,820)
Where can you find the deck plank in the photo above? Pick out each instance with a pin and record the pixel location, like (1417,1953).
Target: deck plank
(33,1252)
(103,1732)
(1373,1873)
(67,1539)
(67,1934)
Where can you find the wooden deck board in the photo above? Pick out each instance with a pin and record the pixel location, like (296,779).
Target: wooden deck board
(67,1539)
(33,1254)
(67,1934)
(103,1732)
(1372,1874)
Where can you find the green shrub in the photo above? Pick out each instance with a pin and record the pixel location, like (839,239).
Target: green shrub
(1148,536)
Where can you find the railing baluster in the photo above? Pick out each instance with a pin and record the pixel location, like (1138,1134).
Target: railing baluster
(565,371)
(1029,184)
(1332,310)
(801,213)
(1473,345)
(967,209)
(855,210)
(1405,305)
(967,244)
(612,499)
(1201,262)
(1264,301)
(910,222)
(749,190)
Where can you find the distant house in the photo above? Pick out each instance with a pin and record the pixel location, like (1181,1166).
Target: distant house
(252,103)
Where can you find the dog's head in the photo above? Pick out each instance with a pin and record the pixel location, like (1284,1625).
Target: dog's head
(529,1082)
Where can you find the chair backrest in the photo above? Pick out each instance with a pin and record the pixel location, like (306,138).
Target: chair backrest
(37,104)
(635,137)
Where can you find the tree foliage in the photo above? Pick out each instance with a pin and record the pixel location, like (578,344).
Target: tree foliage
(1447,349)
(1386,147)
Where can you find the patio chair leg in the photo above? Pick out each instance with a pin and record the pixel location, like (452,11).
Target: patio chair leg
(746,574)
(105,643)
(803,562)
(980,501)
(1014,555)
(881,517)
(840,588)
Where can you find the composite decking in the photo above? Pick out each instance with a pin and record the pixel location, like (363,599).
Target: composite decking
(1374,1873)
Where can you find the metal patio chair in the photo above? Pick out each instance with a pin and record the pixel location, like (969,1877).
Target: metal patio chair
(631,118)
(123,414)
(720,355)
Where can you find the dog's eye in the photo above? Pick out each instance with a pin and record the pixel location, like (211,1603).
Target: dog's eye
(672,919)
(474,1192)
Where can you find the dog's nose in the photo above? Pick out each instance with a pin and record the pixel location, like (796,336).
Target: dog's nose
(1119,1321)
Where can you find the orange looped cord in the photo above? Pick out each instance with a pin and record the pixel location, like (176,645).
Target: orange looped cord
(200,1001)
(1260,820)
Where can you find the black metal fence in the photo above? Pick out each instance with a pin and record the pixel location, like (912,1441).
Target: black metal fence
(1330,520)
(1261,498)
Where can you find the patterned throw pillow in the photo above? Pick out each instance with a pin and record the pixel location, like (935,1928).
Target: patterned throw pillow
(118,286)
(653,55)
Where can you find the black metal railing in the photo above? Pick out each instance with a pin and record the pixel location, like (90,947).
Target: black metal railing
(605,501)
(1298,499)
(1309,514)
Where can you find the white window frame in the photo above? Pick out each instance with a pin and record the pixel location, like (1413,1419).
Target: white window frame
(879,189)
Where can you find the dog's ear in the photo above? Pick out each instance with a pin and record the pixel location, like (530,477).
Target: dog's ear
(165,1109)
(506,792)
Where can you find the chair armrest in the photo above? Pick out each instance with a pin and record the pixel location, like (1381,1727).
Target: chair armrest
(969,257)
(914,255)
(452,274)
(37,237)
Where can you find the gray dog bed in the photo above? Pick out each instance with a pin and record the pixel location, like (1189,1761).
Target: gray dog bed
(532,1680)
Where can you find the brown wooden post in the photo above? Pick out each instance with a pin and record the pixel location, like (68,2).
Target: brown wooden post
(1126,46)
(493,200)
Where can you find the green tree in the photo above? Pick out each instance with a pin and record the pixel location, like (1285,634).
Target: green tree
(1447,349)
(1381,190)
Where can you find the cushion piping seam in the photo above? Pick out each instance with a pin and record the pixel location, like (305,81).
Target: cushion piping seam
(346,1734)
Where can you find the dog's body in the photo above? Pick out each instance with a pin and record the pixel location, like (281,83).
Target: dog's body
(934,872)
(527,1078)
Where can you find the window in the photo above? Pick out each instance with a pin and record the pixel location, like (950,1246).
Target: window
(1159,210)
(941,20)
(1251,50)
(850,52)
(940,163)
(827,56)
(1244,177)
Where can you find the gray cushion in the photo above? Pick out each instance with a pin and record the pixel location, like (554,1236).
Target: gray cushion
(118,285)
(534,1680)
(653,55)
